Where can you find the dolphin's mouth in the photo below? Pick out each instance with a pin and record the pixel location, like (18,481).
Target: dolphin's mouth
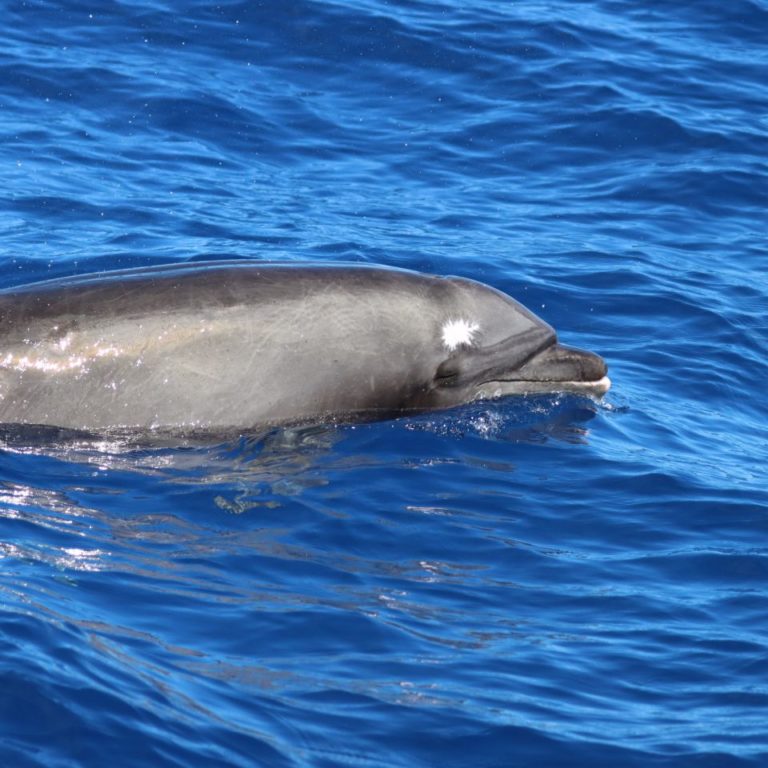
(541,365)
(557,368)
(595,388)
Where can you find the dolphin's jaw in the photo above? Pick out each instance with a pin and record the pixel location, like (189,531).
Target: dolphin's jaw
(598,387)
(494,389)
(556,368)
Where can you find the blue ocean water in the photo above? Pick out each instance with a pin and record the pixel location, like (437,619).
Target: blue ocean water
(543,581)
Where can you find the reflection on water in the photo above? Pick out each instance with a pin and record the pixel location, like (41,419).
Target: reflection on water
(147,511)
(534,419)
(279,456)
(137,505)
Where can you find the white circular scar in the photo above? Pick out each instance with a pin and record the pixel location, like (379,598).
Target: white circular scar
(459,332)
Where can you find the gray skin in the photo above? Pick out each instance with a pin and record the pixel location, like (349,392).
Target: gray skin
(239,345)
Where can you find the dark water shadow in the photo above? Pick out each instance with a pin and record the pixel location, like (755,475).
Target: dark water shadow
(284,462)
(534,418)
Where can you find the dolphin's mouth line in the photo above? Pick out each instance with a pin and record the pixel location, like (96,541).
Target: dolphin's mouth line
(545,381)
(601,385)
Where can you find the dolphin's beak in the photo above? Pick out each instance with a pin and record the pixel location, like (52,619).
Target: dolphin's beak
(575,369)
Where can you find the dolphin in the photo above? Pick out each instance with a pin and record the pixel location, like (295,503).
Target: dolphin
(233,346)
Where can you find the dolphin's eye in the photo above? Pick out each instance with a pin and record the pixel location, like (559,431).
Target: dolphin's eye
(448,371)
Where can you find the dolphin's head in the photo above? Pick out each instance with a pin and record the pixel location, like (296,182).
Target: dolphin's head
(493,346)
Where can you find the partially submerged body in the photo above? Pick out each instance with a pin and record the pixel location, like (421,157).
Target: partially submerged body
(233,346)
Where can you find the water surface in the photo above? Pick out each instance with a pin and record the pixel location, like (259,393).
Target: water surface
(543,581)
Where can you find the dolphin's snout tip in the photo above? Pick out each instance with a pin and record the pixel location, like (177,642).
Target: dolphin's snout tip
(591,365)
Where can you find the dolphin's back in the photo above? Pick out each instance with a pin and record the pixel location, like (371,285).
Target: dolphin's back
(212,346)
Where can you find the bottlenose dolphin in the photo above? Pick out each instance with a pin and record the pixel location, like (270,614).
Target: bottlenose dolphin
(237,345)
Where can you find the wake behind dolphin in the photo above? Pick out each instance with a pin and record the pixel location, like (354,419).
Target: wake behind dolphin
(238,345)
